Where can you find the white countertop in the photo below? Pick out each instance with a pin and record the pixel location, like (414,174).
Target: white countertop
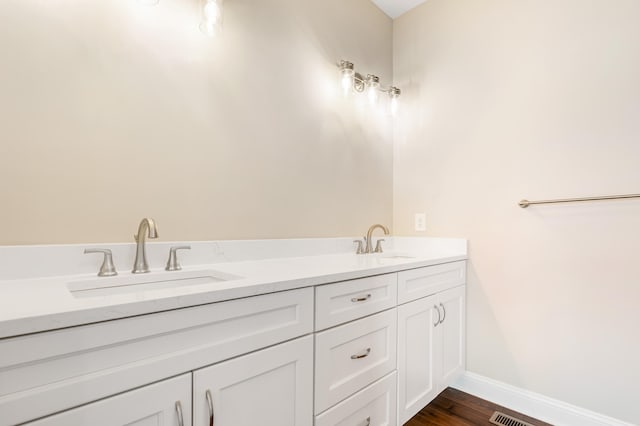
(40,303)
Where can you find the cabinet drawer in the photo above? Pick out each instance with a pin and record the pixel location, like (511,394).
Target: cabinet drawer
(351,356)
(375,406)
(153,405)
(48,372)
(416,283)
(345,301)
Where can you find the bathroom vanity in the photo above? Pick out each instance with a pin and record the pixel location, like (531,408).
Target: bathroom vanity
(326,338)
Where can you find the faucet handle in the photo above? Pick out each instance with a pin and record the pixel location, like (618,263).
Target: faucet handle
(107,269)
(172,263)
(360,249)
(378,248)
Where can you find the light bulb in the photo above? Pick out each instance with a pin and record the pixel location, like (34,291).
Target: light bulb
(373,84)
(211,17)
(347,74)
(211,11)
(346,82)
(394,94)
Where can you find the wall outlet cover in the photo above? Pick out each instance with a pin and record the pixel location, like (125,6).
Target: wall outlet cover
(420,222)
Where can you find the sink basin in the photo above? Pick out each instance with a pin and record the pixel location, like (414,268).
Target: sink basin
(392,258)
(131,283)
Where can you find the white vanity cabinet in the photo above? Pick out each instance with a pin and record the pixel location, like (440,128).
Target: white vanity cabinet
(271,387)
(167,403)
(431,350)
(368,351)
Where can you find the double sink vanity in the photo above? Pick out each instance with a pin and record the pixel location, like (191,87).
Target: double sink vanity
(272,332)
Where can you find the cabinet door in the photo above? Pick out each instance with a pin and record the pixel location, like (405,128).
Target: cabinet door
(418,359)
(452,308)
(167,403)
(271,387)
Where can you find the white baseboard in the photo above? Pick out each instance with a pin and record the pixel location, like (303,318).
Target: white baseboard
(532,404)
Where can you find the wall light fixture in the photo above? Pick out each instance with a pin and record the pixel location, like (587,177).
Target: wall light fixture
(350,80)
(211,23)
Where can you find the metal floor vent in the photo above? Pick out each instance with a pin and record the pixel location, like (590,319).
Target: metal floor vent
(502,419)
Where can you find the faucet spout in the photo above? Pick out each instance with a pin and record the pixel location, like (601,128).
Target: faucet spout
(147,228)
(369,248)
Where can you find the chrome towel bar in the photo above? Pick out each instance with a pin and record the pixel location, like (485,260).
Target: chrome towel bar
(526,203)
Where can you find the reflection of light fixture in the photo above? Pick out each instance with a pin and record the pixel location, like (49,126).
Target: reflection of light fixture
(351,80)
(211,23)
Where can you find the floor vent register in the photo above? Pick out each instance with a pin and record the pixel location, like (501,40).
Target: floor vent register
(502,419)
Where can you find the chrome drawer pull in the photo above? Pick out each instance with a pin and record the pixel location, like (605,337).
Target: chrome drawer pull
(179,413)
(361,299)
(360,356)
(444,313)
(438,320)
(210,404)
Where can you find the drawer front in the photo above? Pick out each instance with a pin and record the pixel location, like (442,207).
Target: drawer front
(352,356)
(345,301)
(167,403)
(375,405)
(416,283)
(48,372)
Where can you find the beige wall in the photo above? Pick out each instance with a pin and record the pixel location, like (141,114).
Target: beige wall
(504,100)
(111,111)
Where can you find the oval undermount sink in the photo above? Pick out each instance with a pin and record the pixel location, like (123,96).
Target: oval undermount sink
(131,283)
(393,258)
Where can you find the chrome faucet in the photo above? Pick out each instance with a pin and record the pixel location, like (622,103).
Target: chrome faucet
(369,248)
(146,228)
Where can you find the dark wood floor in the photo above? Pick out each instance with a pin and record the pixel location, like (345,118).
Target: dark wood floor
(456,408)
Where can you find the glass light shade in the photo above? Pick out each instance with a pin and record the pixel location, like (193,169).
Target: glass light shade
(373,86)
(347,74)
(346,82)
(211,23)
(394,94)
